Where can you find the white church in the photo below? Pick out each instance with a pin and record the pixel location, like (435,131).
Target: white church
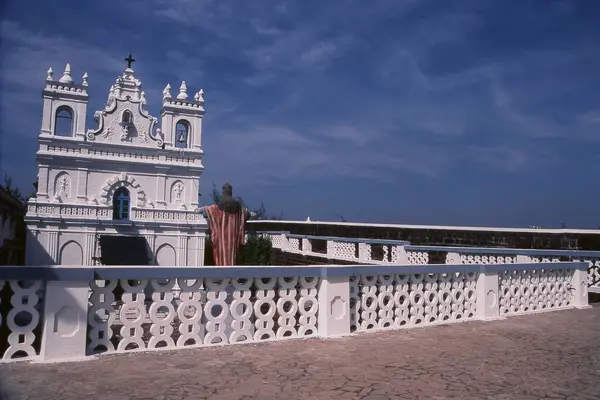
(129,186)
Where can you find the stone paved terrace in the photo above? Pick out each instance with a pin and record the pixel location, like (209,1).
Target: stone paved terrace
(544,356)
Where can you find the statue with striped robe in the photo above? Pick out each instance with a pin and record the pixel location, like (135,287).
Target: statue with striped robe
(227,221)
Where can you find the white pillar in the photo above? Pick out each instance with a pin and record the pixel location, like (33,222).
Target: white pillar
(363,252)
(579,285)
(53,246)
(285,243)
(453,258)
(82,182)
(306,246)
(42,191)
(488,296)
(65,321)
(334,305)
(401,255)
(330,249)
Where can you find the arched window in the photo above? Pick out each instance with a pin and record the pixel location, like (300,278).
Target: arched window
(127,117)
(121,200)
(182,134)
(63,123)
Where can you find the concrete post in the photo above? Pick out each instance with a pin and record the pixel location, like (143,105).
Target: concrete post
(363,252)
(579,287)
(334,305)
(306,246)
(488,296)
(65,321)
(400,255)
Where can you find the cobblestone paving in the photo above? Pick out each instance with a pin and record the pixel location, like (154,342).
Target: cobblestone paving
(546,356)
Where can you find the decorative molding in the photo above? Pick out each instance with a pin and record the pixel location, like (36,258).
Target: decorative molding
(118,181)
(126,94)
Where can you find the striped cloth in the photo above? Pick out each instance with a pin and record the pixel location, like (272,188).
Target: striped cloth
(227,233)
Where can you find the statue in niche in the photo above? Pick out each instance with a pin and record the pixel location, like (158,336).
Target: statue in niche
(227,221)
(126,124)
(62,187)
(177,191)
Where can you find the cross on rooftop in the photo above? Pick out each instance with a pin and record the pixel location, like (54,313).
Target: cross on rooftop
(129,60)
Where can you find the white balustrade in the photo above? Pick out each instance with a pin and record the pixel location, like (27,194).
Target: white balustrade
(399,252)
(86,311)
(523,291)
(406,300)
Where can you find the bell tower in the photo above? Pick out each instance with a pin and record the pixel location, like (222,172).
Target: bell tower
(182,119)
(65,105)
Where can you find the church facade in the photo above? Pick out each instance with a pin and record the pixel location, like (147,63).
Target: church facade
(130,177)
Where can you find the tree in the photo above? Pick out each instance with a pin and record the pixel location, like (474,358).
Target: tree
(15,252)
(12,190)
(15,192)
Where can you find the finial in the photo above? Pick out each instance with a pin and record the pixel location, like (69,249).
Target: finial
(49,73)
(199,97)
(85,78)
(167,91)
(143,97)
(182,91)
(66,78)
(129,60)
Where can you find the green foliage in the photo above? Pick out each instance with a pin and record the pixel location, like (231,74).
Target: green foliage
(256,251)
(15,192)
(12,190)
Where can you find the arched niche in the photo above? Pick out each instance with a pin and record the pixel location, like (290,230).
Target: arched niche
(71,253)
(62,186)
(177,192)
(165,255)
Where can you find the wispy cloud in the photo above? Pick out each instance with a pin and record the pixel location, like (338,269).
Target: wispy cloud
(33,52)
(401,92)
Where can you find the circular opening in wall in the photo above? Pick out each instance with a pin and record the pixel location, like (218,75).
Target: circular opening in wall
(217,311)
(23,318)
(309,305)
(288,306)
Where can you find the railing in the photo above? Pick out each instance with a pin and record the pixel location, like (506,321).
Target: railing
(430,235)
(60,313)
(385,252)
(103,212)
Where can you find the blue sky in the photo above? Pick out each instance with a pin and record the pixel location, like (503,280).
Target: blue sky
(433,112)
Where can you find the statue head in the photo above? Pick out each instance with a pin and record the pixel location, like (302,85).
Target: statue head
(227,190)
(228,203)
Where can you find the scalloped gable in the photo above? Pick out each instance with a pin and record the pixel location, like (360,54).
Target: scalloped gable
(114,126)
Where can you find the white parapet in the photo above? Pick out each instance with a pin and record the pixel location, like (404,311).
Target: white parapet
(84,311)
